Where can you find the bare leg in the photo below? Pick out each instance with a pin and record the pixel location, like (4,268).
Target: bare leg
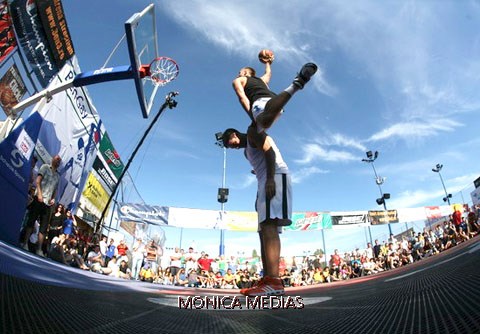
(271,249)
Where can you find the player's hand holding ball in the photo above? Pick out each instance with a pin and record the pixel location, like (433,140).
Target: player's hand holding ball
(266,56)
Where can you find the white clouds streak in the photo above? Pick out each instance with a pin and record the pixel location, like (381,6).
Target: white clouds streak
(416,130)
(304,173)
(315,152)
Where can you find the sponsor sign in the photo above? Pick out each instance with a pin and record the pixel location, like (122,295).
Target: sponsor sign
(7,35)
(95,193)
(348,218)
(16,152)
(110,155)
(74,134)
(475,196)
(302,221)
(157,215)
(383,217)
(12,89)
(476,183)
(31,36)
(104,174)
(56,30)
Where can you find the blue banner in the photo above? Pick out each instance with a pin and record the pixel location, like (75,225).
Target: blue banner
(16,153)
(32,38)
(156,215)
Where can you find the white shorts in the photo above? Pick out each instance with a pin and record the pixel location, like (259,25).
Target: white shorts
(258,107)
(280,206)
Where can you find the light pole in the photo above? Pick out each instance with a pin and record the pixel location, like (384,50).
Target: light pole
(437,169)
(222,196)
(371,157)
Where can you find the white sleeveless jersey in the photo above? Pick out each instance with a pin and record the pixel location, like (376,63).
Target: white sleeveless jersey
(256,158)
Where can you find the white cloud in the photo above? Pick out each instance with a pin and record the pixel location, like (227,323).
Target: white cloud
(244,182)
(416,130)
(304,173)
(314,152)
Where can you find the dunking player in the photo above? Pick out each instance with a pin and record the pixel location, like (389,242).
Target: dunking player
(273,202)
(261,104)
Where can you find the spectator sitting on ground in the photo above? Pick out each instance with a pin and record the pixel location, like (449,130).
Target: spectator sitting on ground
(112,264)
(229,281)
(96,262)
(286,277)
(146,274)
(193,279)
(181,278)
(369,267)
(125,271)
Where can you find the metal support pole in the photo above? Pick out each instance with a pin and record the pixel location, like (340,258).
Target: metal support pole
(170,103)
(222,231)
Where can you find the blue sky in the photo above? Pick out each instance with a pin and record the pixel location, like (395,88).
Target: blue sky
(399,77)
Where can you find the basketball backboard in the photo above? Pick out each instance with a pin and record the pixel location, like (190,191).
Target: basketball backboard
(141,33)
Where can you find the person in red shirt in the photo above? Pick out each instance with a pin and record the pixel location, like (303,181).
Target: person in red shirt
(205,262)
(457,219)
(122,251)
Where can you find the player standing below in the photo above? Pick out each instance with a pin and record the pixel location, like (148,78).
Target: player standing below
(47,183)
(273,202)
(261,104)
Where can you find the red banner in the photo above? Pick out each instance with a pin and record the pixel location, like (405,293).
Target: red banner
(7,35)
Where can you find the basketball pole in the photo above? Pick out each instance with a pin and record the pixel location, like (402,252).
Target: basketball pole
(170,103)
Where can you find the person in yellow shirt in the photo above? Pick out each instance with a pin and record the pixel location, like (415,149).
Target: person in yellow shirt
(317,276)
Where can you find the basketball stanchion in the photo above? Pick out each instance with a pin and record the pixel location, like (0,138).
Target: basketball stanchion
(169,103)
(148,70)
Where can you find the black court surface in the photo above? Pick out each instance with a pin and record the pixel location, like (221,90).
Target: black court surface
(435,295)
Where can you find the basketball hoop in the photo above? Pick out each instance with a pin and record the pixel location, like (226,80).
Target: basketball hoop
(160,71)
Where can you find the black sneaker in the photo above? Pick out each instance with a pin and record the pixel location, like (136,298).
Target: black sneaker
(306,72)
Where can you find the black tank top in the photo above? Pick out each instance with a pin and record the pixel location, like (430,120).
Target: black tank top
(256,88)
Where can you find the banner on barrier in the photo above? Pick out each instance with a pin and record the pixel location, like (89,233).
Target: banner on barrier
(378,217)
(302,221)
(348,218)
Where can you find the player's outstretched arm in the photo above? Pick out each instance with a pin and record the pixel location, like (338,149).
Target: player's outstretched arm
(268,72)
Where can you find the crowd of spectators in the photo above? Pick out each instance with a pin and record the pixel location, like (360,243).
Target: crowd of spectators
(147,262)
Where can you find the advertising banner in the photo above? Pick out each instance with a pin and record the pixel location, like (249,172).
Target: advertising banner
(12,89)
(475,195)
(195,218)
(111,157)
(31,37)
(7,35)
(95,193)
(246,221)
(72,129)
(379,217)
(56,30)
(104,173)
(156,215)
(302,221)
(348,218)
(16,153)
